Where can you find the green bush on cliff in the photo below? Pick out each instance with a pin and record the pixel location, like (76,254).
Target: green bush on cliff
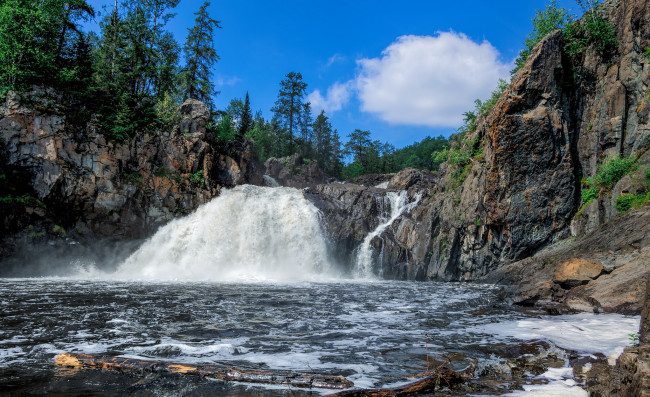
(626,201)
(591,29)
(609,173)
(544,22)
(612,170)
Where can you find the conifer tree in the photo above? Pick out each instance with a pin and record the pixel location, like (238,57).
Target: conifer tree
(246,121)
(288,107)
(306,130)
(200,57)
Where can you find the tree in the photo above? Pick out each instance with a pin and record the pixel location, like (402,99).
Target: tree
(322,131)
(306,131)
(246,120)
(288,107)
(544,22)
(200,57)
(36,43)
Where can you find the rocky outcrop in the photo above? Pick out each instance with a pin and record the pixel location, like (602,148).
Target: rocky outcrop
(294,171)
(630,376)
(60,182)
(560,118)
(603,271)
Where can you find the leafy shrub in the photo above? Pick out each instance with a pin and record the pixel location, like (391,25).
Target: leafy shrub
(626,201)
(613,170)
(592,29)
(134,178)
(197,177)
(167,111)
(610,172)
(24,200)
(544,22)
(59,230)
(589,194)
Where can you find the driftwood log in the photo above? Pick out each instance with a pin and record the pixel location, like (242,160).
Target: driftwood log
(289,378)
(441,377)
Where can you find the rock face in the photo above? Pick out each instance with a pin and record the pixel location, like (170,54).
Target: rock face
(85,185)
(560,118)
(294,171)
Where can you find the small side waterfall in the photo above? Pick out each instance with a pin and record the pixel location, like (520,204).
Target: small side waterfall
(364,260)
(247,233)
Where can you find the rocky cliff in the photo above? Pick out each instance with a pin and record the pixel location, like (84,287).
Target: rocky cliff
(59,182)
(557,122)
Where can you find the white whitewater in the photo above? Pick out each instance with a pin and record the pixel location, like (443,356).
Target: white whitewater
(364,261)
(247,233)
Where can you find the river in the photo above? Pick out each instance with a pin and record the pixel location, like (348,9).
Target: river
(245,282)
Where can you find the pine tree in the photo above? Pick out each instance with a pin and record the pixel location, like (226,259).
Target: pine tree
(246,121)
(322,135)
(288,107)
(306,131)
(200,57)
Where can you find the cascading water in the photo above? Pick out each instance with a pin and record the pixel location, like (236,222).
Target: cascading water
(364,261)
(247,233)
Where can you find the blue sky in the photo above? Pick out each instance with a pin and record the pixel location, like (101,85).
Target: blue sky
(403,70)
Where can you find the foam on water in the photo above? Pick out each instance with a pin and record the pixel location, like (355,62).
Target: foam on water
(584,332)
(248,233)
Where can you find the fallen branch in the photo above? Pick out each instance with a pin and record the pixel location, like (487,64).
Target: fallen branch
(289,378)
(427,385)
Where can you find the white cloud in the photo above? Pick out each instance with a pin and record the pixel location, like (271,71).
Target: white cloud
(337,96)
(334,59)
(425,80)
(221,81)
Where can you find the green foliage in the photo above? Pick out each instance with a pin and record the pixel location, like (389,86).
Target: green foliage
(353,170)
(634,339)
(200,57)
(24,200)
(462,154)
(288,107)
(626,201)
(198,178)
(167,111)
(41,44)
(590,194)
(225,130)
(419,155)
(613,170)
(134,178)
(610,172)
(591,29)
(164,172)
(57,229)
(544,22)
(246,119)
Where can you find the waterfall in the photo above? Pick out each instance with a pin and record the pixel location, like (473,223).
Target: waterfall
(270,181)
(247,233)
(398,204)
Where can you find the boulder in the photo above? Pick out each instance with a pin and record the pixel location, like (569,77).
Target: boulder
(575,272)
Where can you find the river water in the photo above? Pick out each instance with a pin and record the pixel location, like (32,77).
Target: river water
(245,281)
(373,333)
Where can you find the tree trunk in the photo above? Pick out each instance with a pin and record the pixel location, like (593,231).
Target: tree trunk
(289,378)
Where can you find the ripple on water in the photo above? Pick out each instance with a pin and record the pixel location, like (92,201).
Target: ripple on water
(372,332)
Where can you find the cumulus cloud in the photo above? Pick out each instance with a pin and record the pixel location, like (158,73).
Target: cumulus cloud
(424,80)
(336,97)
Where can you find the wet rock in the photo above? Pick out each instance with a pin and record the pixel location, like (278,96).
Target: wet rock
(294,171)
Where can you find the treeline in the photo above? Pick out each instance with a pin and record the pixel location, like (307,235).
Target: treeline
(293,129)
(130,79)
(128,76)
